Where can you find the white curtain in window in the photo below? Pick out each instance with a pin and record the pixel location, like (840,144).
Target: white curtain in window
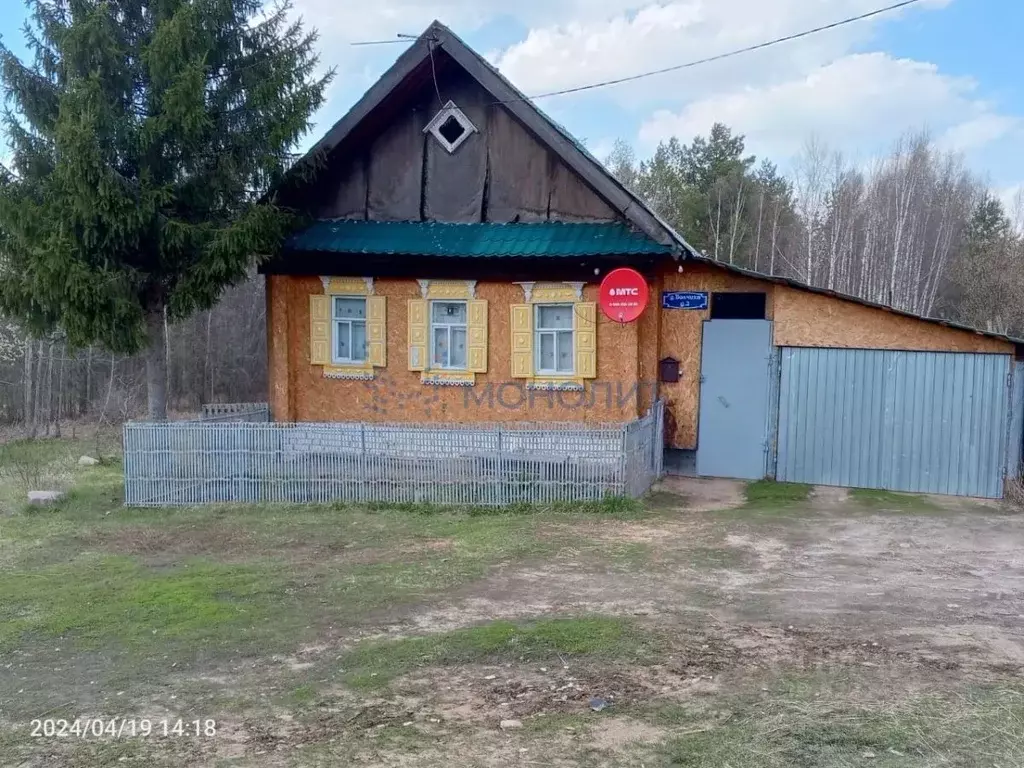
(349,329)
(555,338)
(448,323)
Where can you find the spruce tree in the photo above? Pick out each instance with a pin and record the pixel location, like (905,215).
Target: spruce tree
(145,135)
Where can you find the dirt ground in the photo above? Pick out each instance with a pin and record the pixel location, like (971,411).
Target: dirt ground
(921,600)
(753,626)
(946,588)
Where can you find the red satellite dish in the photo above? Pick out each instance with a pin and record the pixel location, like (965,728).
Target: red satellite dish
(624,295)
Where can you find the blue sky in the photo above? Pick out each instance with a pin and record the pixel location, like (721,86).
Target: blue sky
(951,66)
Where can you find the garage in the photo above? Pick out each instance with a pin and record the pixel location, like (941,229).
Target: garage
(927,422)
(784,381)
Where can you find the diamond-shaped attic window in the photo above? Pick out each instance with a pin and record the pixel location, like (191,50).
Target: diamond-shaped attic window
(452,130)
(450,127)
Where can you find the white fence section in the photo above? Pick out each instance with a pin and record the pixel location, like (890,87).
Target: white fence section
(184,463)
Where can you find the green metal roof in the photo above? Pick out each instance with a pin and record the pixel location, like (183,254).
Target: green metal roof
(474,240)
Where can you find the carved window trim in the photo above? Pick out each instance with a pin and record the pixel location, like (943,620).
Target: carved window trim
(356,288)
(448,289)
(550,292)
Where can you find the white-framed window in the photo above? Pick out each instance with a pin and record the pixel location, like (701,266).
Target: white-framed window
(448,320)
(451,127)
(554,344)
(348,320)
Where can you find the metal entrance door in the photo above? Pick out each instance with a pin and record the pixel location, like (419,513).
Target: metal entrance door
(733,420)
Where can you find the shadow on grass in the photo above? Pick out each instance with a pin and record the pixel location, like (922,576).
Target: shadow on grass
(666,501)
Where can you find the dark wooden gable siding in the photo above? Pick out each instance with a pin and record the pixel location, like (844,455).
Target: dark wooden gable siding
(500,174)
(394,174)
(454,185)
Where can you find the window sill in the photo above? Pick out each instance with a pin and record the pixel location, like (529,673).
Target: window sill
(559,383)
(355,371)
(448,378)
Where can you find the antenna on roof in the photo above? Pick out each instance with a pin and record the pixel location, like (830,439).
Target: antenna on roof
(401,38)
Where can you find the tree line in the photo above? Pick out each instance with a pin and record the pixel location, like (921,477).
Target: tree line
(149,142)
(218,355)
(915,229)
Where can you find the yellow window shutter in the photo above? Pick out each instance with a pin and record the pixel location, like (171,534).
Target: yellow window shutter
(586,340)
(377,331)
(522,341)
(319,329)
(477,331)
(418,334)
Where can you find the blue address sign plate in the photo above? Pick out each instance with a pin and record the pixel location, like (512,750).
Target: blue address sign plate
(684,300)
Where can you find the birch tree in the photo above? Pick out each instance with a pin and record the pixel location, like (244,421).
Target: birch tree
(810,174)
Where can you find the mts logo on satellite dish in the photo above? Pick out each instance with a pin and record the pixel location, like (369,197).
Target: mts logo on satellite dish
(623,295)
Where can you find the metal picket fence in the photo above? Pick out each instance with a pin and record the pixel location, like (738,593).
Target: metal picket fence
(186,463)
(258,412)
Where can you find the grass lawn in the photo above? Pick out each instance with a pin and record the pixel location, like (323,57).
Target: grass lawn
(767,499)
(888,500)
(614,634)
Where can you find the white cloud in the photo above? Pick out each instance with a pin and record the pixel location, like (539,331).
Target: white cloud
(346,21)
(579,41)
(981,130)
(598,48)
(823,84)
(857,101)
(342,23)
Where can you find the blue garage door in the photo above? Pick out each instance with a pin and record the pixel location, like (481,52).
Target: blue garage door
(927,422)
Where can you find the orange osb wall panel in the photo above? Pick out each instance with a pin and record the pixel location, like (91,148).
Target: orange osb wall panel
(398,395)
(801,319)
(277,346)
(648,328)
(680,338)
(804,319)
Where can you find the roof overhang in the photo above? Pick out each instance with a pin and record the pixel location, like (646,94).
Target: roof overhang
(474,241)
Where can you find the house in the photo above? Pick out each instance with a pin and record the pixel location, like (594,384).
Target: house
(450,275)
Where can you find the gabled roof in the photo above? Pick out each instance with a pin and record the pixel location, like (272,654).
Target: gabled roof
(547,131)
(480,240)
(418,59)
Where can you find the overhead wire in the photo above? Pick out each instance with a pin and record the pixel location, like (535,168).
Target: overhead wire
(717,57)
(402,38)
(433,70)
(664,70)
